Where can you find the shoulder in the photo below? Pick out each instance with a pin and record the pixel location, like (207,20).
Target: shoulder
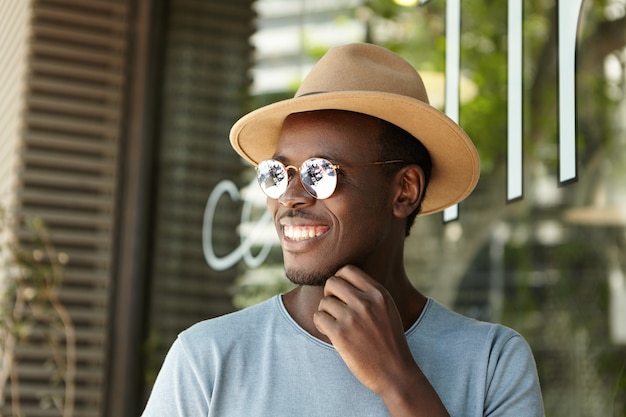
(236,324)
(193,363)
(493,359)
(449,324)
(441,331)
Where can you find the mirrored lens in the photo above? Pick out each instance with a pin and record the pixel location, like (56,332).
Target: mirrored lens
(273,178)
(318,177)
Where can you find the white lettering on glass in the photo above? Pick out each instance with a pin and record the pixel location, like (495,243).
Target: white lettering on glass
(569,13)
(453,75)
(254,237)
(514,188)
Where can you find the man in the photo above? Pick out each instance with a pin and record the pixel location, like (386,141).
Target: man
(345,176)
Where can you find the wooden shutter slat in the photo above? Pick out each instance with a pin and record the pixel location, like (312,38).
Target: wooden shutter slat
(71,124)
(69,15)
(64,88)
(75,144)
(78,35)
(76,54)
(62,180)
(72,218)
(67,199)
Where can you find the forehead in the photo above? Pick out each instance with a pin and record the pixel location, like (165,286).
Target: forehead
(330,133)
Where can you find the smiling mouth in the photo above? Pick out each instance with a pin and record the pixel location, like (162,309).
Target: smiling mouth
(300,233)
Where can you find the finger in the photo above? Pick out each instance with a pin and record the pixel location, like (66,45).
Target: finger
(338,287)
(357,278)
(323,322)
(332,306)
(355,288)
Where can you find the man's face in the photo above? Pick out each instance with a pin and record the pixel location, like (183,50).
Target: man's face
(352,226)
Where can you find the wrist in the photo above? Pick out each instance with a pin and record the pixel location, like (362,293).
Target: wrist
(413,396)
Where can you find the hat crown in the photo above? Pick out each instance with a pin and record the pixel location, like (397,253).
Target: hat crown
(363,67)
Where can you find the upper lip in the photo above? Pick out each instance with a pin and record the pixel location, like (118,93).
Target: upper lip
(298,222)
(298,219)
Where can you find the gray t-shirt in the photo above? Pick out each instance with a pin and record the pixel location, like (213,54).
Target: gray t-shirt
(260,362)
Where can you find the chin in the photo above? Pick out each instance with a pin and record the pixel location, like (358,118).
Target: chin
(310,278)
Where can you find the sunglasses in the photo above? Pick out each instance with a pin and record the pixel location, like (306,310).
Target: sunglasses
(317,175)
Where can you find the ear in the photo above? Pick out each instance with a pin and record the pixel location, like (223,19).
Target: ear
(410,190)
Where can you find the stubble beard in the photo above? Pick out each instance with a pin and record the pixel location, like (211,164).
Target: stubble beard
(310,278)
(313,279)
(318,278)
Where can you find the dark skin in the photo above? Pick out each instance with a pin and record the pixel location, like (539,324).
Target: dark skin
(353,290)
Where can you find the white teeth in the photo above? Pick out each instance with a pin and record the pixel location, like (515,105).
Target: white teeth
(301,232)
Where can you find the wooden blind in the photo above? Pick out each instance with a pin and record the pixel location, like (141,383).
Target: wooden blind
(66,175)
(207,57)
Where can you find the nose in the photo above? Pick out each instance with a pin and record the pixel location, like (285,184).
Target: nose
(295,195)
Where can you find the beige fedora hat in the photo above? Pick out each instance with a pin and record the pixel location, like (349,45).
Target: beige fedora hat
(372,80)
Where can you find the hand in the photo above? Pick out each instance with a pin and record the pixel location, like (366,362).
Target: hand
(361,320)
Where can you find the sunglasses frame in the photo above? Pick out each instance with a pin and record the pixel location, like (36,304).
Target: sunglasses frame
(335,167)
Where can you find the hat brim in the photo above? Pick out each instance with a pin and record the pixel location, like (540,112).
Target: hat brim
(455,162)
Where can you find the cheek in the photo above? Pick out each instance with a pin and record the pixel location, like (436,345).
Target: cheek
(373,199)
(374,214)
(362,215)
(272,208)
